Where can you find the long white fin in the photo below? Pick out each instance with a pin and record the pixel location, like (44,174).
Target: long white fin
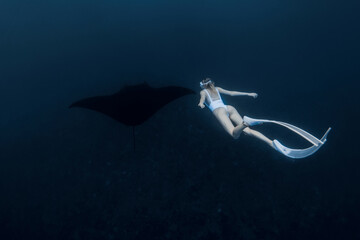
(299,153)
(289,152)
(293,128)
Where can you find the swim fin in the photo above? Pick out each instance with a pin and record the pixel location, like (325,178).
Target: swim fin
(289,152)
(251,121)
(293,128)
(299,153)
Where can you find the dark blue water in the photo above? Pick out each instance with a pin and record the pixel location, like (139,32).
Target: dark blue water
(73,174)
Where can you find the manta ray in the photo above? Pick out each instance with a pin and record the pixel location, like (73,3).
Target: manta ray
(133,105)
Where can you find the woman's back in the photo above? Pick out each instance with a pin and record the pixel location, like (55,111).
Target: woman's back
(213,95)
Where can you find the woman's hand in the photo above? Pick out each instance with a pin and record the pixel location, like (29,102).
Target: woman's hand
(254,95)
(201,105)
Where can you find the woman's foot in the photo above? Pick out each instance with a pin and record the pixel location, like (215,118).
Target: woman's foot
(280,148)
(250,121)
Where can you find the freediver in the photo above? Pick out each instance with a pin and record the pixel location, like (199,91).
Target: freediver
(234,124)
(227,115)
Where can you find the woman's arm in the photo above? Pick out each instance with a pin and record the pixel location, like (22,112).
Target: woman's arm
(235,93)
(202,99)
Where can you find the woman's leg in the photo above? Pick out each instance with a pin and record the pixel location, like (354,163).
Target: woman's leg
(258,135)
(222,115)
(234,115)
(237,119)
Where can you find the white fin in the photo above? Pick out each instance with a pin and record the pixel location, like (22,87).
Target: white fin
(293,128)
(299,153)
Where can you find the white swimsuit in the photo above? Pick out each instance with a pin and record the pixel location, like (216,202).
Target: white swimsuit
(214,104)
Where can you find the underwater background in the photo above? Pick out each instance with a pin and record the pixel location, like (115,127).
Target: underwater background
(73,174)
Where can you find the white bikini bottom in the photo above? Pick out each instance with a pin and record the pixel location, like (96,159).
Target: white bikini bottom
(217,104)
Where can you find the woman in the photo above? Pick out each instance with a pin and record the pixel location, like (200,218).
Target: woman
(227,115)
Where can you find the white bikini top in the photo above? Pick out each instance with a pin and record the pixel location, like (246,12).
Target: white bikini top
(213,104)
(210,99)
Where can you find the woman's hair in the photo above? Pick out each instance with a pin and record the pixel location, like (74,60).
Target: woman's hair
(207,83)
